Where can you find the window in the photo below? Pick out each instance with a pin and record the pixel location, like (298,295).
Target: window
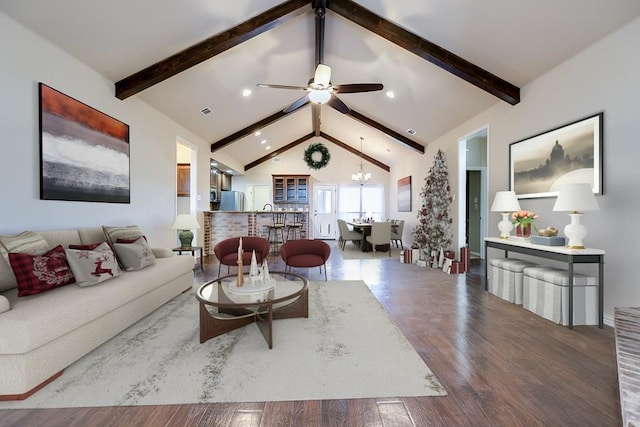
(361,201)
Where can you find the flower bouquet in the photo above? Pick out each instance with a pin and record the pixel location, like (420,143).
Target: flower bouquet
(523,220)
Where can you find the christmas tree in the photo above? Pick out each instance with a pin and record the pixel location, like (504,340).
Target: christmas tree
(433,231)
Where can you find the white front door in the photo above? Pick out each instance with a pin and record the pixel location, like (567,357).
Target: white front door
(324,212)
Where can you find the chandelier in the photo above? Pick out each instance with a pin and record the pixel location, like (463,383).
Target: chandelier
(361,177)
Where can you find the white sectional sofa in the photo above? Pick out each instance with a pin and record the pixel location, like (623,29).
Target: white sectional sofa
(40,335)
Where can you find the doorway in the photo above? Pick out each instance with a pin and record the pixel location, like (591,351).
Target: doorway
(473,190)
(324,212)
(257,197)
(186,181)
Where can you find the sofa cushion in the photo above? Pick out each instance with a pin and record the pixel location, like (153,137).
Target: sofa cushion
(92,265)
(27,242)
(134,255)
(21,328)
(40,273)
(5,305)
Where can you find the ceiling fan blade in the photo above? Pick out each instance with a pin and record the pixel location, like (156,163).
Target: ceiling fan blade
(357,87)
(315,113)
(281,86)
(336,103)
(322,75)
(297,104)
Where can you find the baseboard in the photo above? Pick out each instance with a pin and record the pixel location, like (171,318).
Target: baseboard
(23,396)
(608,320)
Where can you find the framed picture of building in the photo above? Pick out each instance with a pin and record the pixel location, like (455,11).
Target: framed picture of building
(572,153)
(404,194)
(84,153)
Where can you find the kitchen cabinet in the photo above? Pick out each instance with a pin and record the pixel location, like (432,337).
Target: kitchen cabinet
(184,179)
(225,181)
(291,189)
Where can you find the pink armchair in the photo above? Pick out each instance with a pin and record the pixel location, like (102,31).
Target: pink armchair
(227,251)
(305,253)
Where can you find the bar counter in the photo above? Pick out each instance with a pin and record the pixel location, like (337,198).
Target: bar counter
(220,225)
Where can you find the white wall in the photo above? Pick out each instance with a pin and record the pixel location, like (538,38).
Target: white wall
(604,77)
(28,59)
(341,165)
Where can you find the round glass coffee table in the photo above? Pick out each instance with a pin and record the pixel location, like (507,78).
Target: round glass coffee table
(224,306)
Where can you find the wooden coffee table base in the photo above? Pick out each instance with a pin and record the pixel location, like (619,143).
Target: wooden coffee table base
(211,326)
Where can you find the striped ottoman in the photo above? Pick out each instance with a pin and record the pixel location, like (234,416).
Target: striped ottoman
(546,293)
(505,278)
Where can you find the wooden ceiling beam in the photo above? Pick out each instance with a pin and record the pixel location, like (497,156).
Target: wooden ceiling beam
(250,129)
(354,151)
(279,151)
(390,132)
(209,48)
(427,50)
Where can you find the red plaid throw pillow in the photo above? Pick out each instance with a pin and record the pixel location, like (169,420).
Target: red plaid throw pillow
(36,274)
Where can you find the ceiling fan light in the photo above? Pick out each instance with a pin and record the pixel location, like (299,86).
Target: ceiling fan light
(322,75)
(319,96)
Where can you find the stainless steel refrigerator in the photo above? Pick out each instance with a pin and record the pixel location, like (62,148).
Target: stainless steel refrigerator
(231,201)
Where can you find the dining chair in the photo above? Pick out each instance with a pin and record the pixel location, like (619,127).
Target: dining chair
(396,232)
(380,235)
(347,235)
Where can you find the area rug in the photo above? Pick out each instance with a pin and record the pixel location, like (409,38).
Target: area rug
(351,251)
(347,348)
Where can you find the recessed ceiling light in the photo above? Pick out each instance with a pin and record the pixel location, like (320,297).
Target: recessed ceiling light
(411,131)
(257,133)
(246,92)
(390,94)
(263,141)
(268,147)
(206,111)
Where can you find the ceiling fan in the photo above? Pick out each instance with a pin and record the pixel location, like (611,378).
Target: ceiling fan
(320,88)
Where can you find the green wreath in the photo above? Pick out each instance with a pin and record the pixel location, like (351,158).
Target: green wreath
(317,148)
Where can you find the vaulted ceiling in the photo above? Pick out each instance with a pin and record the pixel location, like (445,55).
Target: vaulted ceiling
(182,57)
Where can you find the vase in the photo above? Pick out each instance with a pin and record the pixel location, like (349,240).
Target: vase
(523,230)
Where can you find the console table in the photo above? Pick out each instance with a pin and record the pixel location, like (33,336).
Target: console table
(558,253)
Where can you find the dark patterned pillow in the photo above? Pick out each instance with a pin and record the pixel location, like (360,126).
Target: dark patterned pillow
(86,247)
(40,273)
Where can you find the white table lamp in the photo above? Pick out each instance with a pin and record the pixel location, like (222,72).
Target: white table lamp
(186,223)
(505,202)
(575,199)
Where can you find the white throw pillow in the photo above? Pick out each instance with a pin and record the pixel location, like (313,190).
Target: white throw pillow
(4,304)
(134,255)
(91,267)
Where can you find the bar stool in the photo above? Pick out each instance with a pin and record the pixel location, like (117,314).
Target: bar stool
(295,226)
(277,227)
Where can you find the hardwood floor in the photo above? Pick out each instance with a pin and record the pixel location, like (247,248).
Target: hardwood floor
(500,365)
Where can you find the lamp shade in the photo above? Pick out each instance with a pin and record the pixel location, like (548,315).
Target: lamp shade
(576,198)
(185,222)
(505,201)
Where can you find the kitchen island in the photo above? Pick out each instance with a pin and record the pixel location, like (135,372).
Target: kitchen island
(221,225)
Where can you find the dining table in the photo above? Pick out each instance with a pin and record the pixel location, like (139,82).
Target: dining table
(365,228)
